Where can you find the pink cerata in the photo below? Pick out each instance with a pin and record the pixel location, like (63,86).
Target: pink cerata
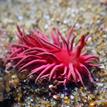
(53,57)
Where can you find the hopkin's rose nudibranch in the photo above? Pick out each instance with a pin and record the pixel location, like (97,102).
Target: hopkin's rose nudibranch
(52,58)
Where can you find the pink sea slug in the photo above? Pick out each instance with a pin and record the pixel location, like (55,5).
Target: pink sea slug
(53,57)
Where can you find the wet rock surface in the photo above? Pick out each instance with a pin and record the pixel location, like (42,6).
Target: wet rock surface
(88,16)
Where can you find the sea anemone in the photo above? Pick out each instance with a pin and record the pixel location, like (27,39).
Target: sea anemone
(52,57)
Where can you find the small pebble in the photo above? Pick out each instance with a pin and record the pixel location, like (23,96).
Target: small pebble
(56,97)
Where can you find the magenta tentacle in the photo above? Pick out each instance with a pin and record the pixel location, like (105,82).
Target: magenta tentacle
(89,74)
(71,69)
(38,69)
(44,71)
(53,70)
(79,75)
(32,62)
